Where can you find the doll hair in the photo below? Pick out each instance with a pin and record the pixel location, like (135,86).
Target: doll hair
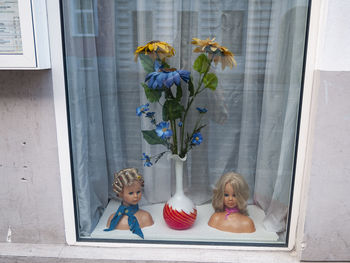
(240,188)
(126,177)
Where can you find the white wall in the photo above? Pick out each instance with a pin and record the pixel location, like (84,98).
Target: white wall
(334,54)
(327,222)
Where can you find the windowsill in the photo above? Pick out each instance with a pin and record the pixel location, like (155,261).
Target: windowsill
(64,253)
(199,232)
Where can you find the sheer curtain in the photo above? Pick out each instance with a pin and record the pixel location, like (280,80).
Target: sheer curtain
(252,116)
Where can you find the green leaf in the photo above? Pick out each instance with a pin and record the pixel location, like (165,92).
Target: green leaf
(153,95)
(191,87)
(147,63)
(201,64)
(172,110)
(210,81)
(165,65)
(178,93)
(152,138)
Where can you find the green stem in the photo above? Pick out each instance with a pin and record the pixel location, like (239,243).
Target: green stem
(173,128)
(189,103)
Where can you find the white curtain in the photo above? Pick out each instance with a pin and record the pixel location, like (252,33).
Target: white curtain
(252,116)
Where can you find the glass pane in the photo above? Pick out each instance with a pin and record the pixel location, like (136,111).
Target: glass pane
(243,118)
(83,4)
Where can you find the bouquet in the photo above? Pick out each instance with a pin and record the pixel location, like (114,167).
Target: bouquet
(175,91)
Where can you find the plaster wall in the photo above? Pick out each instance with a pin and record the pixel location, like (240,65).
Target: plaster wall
(327,222)
(30,194)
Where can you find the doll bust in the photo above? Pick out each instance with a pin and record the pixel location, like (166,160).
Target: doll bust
(229,202)
(128,185)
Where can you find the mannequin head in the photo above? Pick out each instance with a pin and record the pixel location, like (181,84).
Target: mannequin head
(231,191)
(128,185)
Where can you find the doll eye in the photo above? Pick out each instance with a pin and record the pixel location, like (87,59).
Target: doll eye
(130,193)
(226,195)
(138,192)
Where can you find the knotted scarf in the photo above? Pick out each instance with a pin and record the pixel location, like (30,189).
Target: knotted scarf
(132,220)
(230,211)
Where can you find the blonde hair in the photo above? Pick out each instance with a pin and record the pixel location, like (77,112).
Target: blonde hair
(240,188)
(126,177)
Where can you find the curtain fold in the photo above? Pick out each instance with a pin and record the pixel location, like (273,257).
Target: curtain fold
(251,119)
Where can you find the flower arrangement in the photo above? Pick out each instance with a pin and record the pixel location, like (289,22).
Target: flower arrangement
(164,85)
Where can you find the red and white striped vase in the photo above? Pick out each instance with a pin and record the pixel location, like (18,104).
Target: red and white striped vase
(179,212)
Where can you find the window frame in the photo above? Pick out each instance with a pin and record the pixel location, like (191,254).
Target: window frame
(317,13)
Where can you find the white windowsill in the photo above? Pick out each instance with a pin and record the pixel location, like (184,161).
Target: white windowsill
(200,231)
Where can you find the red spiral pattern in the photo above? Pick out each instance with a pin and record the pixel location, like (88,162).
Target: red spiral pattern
(178,220)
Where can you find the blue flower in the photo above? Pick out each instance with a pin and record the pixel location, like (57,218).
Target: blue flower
(162,130)
(197,138)
(142,109)
(166,76)
(147,160)
(201,110)
(180,124)
(150,114)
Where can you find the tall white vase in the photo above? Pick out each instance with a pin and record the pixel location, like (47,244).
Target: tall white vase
(179,212)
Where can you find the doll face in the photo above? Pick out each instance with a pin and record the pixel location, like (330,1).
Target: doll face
(131,194)
(230,200)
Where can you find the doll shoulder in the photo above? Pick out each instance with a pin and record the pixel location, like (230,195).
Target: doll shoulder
(144,218)
(247,224)
(109,220)
(216,219)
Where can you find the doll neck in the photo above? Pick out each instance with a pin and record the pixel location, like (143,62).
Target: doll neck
(230,211)
(128,205)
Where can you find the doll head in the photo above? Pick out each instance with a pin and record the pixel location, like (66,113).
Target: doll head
(129,179)
(240,189)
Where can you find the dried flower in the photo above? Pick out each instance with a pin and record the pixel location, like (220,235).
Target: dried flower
(155,49)
(215,52)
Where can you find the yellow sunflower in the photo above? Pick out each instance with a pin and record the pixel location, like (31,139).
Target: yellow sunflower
(155,49)
(215,52)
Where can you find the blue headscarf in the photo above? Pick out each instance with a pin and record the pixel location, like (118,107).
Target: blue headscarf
(132,220)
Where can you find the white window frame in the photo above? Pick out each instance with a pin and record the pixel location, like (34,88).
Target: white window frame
(194,252)
(34,37)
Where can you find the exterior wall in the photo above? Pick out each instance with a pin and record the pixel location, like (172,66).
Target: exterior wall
(30,194)
(327,223)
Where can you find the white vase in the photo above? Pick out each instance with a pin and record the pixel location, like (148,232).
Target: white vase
(179,212)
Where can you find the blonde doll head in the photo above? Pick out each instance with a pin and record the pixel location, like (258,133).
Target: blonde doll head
(126,177)
(240,188)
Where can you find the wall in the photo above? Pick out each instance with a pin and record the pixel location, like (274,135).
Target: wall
(30,194)
(327,223)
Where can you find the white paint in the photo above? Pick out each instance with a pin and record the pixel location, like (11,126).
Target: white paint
(200,231)
(334,46)
(180,202)
(9,235)
(302,169)
(183,252)
(34,37)
(58,83)
(133,252)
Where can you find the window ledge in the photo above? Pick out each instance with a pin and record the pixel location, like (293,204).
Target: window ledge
(199,232)
(65,253)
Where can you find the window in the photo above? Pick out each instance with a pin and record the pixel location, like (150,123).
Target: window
(251,122)
(84,17)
